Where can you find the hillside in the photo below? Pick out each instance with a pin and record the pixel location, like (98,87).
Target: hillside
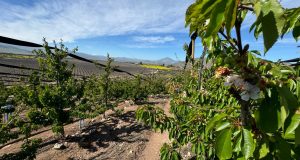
(11,49)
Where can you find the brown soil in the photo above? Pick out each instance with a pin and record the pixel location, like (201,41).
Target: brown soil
(116,137)
(156,140)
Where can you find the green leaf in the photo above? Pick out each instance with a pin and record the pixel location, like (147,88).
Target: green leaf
(292,84)
(241,158)
(298,90)
(208,42)
(292,17)
(270,32)
(223,144)
(216,19)
(293,125)
(297,136)
(222,126)
(175,155)
(285,71)
(272,20)
(268,116)
(296,31)
(284,112)
(230,15)
(288,98)
(212,123)
(198,12)
(206,8)
(238,142)
(257,31)
(252,60)
(283,149)
(263,151)
(257,8)
(189,12)
(248,144)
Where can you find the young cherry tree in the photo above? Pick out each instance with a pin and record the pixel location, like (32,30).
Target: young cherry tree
(96,96)
(106,82)
(61,94)
(249,109)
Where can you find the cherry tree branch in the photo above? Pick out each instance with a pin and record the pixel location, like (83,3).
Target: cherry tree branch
(238,34)
(246,7)
(228,39)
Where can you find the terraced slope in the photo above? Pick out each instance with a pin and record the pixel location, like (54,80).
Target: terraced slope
(12,75)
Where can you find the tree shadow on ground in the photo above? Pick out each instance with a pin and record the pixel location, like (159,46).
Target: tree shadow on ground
(146,103)
(112,129)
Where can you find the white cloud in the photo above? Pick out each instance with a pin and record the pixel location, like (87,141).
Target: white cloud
(78,19)
(154,39)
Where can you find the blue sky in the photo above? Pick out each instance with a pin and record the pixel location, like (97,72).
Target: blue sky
(144,29)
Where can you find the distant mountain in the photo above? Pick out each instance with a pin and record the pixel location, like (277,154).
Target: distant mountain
(6,48)
(165,61)
(89,56)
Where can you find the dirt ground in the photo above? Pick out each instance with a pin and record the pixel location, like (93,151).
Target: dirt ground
(115,137)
